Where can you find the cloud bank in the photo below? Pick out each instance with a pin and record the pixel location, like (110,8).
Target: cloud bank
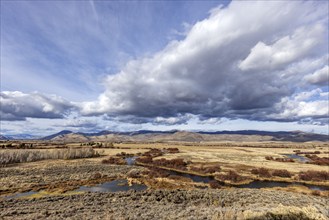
(243,61)
(254,60)
(17,106)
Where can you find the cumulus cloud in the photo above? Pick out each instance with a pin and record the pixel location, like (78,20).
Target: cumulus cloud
(240,62)
(178,120)
(284,50)
(19,106)
(311,106)
(320,77)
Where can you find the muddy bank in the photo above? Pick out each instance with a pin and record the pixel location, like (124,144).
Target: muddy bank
(168,204)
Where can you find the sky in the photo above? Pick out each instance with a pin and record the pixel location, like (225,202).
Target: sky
(161,65)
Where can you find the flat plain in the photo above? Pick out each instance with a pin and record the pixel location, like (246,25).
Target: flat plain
(208,179)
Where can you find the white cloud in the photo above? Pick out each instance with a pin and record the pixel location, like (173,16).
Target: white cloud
(19,106)
(311,105)
(250,60)
(181,119)
(320,77)
(284,50)
(200,74)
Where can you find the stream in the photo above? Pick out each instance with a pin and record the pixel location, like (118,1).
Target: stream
(257,184)
(113,186)
(122,184)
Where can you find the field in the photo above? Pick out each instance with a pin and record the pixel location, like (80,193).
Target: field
(208,179)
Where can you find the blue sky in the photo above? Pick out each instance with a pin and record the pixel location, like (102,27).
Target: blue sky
(192,65)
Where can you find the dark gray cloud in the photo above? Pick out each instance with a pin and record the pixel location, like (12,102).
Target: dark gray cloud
(244,61)
(132,119)
(17,106)
(79,123)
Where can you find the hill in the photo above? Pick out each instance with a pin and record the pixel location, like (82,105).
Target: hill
(186,136)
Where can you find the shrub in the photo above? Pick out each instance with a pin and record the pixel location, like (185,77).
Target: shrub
(114,160)
(214,184)
(172,150)
(279,159)
(262,172)
(269,158)
(322,161)
(145,159)
(155,173)
(316,193)
(305,152)
(206,170)
(312,175)
(173,163)
(97,176)
(134,173)
(284,159)
(154,152)
(124,155)
(231,176)
(282,173)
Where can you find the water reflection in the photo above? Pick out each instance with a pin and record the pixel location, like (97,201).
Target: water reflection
(113,186)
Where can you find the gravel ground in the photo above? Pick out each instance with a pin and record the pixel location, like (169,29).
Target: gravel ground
(168,204)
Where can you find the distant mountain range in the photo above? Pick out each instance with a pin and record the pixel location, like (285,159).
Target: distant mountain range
(175,135)
(3,137)
(19,137)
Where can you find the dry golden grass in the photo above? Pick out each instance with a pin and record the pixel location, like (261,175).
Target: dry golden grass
(31,155)
(285,212)
(240,157)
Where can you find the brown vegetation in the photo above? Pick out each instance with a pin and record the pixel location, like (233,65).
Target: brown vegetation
(98,144)
(279,159)
(114,160)
(306,152)
(154,152)
(282,173)
(231,176)
(316,193)
(173,163)
(312,175)
(135,173)
(322,161)
(145,160)
(214,184)
(124,155)
(171,150)
(156,173)
(262,172)
(206,170)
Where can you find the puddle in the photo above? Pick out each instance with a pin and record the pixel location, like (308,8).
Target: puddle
(113,186)
(195,178)
(20,195)
(130,160)
(297,157)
